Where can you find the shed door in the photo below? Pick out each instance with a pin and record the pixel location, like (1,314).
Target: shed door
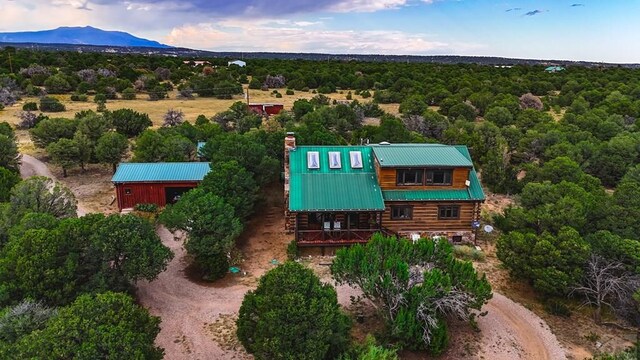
(173,194)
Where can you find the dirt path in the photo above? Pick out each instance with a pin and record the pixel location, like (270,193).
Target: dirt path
(510,331)
(188,309)
(31,166)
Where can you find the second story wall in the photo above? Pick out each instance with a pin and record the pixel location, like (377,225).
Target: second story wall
(388,179)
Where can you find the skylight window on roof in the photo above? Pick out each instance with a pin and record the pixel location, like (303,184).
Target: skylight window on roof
(313,160)
(334,160)
(356,159)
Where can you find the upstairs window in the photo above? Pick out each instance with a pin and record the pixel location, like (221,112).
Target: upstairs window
(448,212)
(439,177)
(401,212)
(409,176)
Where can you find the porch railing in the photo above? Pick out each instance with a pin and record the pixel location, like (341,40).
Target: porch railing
(338,237)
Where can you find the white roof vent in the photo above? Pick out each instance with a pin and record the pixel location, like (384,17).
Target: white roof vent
(313,160)
(335,162)
(385,143)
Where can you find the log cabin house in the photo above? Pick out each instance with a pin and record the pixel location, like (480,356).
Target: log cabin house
(341,195)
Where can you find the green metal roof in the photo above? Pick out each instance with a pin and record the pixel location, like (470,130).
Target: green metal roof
(326,189)
(473,193)
(161,172)
(414,155)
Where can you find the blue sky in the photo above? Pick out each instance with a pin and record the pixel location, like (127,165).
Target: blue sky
(595,30)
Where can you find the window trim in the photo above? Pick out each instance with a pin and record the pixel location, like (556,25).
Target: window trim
(398,207)
(444,171)
(419,171)
(450,207)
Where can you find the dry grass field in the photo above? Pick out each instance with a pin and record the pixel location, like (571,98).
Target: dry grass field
(190,108)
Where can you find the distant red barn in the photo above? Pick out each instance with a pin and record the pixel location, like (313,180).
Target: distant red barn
(156,183)
(266,109)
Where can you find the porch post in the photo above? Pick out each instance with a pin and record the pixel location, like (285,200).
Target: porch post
(323,231)
(379,222)
(297,227)
(347,219)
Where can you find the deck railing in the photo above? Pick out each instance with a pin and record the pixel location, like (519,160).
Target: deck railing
(338,237)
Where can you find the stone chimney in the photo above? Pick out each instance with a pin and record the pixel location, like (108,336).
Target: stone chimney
(289,145)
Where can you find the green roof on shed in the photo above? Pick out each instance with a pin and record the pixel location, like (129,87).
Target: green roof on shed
(325,189)
(161,172)
(414,155)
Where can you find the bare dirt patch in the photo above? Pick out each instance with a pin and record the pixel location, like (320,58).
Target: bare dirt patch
(93,188)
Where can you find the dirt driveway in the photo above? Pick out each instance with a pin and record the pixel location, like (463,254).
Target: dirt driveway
(31,166)
(510,332)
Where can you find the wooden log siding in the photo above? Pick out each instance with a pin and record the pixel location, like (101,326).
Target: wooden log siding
(387,178)
(425,217)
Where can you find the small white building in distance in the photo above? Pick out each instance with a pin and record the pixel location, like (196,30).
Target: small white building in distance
(237,62)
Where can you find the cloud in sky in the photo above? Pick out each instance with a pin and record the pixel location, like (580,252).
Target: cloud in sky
(267,35)
(513,9)
(533,13)
(258,7)
(576,5)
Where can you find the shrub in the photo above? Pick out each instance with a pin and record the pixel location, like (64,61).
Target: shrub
(292,315)
(128,94)
(157,93)
(557,308)
(79,97)
(292,250)
(30,106)
(365,94)
(290,92)
(49,104)
(468,253)
(146,207)
(278,96)
(100,98)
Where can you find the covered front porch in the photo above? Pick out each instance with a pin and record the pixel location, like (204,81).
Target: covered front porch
(337,228)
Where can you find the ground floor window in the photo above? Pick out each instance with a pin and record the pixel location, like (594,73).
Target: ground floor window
(127,191)
(401,212)
(448,212)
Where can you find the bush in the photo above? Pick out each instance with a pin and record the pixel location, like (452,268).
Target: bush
(79,97)
(100,98)
(49,104)
(30,106)
(146,207)
(557,308)
(468,253)
(128,94)
(290,92)
(292,250)
(365,94)
(292,315)
(278,96)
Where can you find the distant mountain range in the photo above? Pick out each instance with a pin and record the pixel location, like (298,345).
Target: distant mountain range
(80,36)
(90,39)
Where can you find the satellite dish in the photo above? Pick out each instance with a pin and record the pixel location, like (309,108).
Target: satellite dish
(488,229)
